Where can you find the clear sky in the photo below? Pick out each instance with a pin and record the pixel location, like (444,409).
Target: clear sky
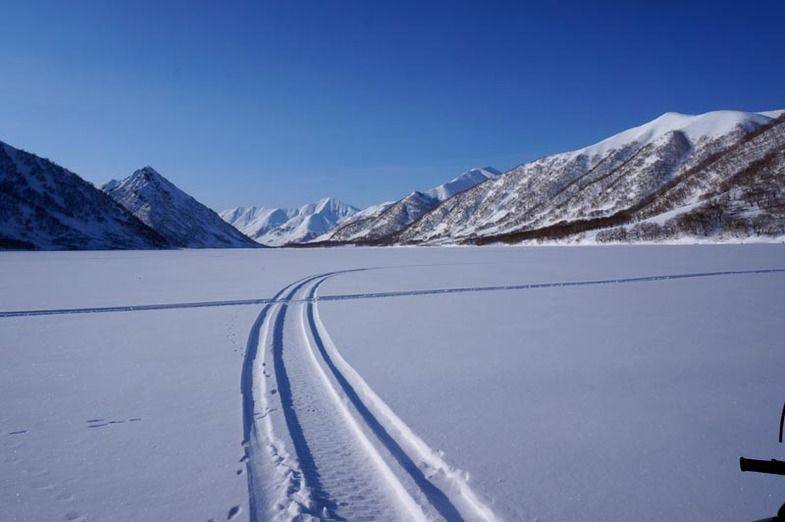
(280,103)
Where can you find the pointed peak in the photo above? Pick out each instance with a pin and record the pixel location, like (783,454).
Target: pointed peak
(146,171)
(147,175)
(146,178)
(334,204)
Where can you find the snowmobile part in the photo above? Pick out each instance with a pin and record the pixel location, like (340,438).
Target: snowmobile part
(771,467)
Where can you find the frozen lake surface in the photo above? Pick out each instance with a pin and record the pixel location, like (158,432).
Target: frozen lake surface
(564,383)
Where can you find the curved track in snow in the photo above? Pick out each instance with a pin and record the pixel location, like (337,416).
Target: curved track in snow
(318,442)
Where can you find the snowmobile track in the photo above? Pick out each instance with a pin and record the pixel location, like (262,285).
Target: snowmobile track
(336,458)
(380,295)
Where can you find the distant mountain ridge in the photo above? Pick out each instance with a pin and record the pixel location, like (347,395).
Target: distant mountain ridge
(281,226)
(383,221)
(716,176)
(175,215)
(44,206)
(674,164)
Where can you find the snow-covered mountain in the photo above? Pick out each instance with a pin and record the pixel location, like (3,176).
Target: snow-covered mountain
(715,175)
(674,162)
(175,215)
(379,222)
(281,226)
(463,182)
(44,206)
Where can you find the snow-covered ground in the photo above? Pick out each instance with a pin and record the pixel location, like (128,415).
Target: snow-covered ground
(421,383)
(127,416)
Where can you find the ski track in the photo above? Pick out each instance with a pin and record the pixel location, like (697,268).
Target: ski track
(380,295)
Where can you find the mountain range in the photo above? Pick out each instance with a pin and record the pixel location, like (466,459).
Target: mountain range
(716,176)
(280,226)
(387,219)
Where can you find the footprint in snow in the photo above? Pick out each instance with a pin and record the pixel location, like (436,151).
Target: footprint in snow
(36,471)
(64,496)
(14,439)
(233,512)
(41,484)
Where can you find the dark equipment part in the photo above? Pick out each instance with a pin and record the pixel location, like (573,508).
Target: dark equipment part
(771,467)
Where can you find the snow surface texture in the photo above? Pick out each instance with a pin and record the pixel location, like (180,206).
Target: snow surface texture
(280,226)
(507,395)
(614,402)
(122,416)
(182,220)
(44,206)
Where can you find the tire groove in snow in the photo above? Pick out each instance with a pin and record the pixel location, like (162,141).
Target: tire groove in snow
(435,496)
(335,470)
(247,389)
(324,505)
(330,476)
(380,295)
(399,440)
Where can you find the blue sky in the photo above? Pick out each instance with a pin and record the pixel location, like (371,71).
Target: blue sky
(280,103)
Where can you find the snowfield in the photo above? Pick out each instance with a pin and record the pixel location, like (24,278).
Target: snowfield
(518,383)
